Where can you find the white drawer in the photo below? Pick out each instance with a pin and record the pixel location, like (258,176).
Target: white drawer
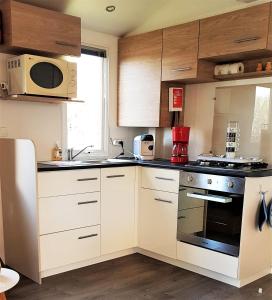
(207,259)
(68,247)
(57,183)
(160,179)
(69,212)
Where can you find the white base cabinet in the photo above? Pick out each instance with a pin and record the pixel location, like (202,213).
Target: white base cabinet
(157,225)
(67,247)
(117,209)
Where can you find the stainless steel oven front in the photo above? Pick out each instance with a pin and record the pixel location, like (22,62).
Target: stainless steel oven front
(210,211)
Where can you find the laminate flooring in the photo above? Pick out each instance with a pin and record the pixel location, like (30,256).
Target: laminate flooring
(135,277)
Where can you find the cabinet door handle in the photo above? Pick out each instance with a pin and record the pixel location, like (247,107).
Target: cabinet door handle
(164,178)
(87,179)
(246,39)
(65,44)
(162,200)
(87,236)
(115,176)
(182,69)
(87,202)
(181,217)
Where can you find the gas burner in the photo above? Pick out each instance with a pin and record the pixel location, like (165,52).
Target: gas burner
(228,165)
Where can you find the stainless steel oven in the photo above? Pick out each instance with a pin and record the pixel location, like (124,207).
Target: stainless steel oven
(210,211)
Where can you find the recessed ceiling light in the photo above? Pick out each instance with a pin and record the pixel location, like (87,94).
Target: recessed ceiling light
(110,8)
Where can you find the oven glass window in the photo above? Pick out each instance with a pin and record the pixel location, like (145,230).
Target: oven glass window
(210,219)
(46,75)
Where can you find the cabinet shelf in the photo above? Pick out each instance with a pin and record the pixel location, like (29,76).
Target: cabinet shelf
(243,75)
(43,99)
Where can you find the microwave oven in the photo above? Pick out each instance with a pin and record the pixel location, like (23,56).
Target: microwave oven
(42,76)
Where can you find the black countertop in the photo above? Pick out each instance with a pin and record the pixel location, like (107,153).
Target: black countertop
(163,164)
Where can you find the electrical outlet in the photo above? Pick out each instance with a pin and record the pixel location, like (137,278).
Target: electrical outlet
(116,142)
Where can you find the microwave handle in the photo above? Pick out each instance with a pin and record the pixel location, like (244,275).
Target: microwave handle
(219,199)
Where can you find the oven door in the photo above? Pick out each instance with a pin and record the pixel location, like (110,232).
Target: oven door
(210,219)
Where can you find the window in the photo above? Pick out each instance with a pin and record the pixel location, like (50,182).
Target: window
(86,122)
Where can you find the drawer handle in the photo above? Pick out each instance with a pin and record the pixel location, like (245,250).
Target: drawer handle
(87,179)
(181,217)
(87,236)
(87,202)
(182,69)
(65,44)
(162,200)
(115,176)
(164,178)
(246,39)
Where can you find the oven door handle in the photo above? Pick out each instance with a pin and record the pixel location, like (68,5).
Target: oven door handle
(220,199)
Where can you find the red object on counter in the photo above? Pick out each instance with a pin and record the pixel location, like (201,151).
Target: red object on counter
(180,137)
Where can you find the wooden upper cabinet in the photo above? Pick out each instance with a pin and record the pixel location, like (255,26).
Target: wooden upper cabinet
(140,80)
(235,35)
(27,27)
(180,51)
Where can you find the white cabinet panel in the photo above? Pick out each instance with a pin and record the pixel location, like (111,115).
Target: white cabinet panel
(157,227)
(117,209)
(56,183)
(67,247)
(211,260)
(68,212)
(160,179)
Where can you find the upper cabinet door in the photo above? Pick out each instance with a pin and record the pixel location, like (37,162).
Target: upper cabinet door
(140,80)
(233,34)
(180,51)
(27,27)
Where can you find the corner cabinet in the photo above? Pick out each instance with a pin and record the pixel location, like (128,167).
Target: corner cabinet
(140,80)
(31,28)
(180,55)
(235,35)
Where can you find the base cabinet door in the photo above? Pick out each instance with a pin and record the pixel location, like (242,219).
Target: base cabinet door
(117,209)
(67,247)
(157,222)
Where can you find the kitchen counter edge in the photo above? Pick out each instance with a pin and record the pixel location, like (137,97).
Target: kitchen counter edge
(163,164)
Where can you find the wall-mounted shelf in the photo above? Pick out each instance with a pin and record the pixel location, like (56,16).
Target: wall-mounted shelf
(31,98)
(243,75)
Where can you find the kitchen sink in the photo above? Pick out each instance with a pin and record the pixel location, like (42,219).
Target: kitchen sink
(71,163)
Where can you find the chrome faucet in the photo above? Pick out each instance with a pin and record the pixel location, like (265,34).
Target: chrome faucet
(70,155)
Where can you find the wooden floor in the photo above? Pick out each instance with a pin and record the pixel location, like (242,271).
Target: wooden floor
(135,277)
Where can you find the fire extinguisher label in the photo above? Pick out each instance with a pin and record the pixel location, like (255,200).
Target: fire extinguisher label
(175,99)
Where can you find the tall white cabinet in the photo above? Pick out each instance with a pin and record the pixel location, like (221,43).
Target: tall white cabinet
(158,208)
(117,209)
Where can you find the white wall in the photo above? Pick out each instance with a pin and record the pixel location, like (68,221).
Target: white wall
(42,122)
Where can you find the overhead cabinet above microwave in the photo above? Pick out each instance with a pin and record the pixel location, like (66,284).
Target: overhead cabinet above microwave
(28,28)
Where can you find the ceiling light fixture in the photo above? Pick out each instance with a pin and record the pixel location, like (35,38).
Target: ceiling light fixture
(110,8)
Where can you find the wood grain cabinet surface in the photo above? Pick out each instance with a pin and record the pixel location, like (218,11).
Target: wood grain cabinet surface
(27,27)
(140,80)
(180,51)
(180,55)
(235,35)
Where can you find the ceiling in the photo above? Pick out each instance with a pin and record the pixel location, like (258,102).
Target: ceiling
(134,16)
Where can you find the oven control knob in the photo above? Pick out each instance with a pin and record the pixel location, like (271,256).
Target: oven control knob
(209,181)
(190,178)
(231,184)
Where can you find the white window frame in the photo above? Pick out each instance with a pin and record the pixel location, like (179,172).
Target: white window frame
(94,154)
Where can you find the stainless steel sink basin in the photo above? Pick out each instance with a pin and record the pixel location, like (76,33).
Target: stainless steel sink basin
(71,163)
